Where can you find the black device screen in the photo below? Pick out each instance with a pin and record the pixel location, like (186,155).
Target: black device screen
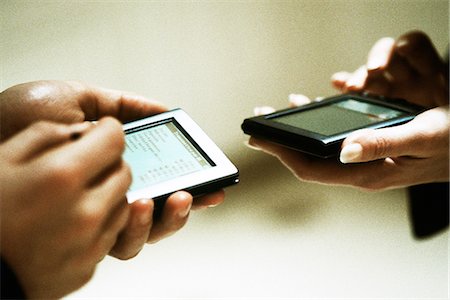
(341,116)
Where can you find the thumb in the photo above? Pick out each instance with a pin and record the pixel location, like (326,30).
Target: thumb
(427,134)
(372,144)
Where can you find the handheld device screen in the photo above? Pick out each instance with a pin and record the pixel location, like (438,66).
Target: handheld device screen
(162,151)
(320,127)
(339,117)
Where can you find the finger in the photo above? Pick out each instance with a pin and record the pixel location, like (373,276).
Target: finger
(369,144)
(132,239)
(109,233)
(357,80)
(95,151)
(41,136)
(263,145)
(386,67)
(290,158)
(263,110)
(399,69)
(380,54)
(378,77)
(326,171)
(385,61)
(110,192)
(426,135)
(296,100)
(98,102)
(209,200)
(339,79)
(378,84)
(174,215)
(417,48)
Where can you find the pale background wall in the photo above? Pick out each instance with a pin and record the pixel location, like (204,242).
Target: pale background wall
(274,236)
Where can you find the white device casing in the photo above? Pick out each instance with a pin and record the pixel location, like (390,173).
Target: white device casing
(223,166)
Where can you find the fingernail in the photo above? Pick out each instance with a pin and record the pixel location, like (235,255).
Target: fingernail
(262,110)
(380,53)
(351,153)
(144,219)
(355,83)
(318,99)
(298,99)
(375,64)
(357,80)
(340,76)
(183,213)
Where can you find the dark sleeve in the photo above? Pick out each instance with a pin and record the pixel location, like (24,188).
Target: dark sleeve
(10,288)
(429,203)
(429,208)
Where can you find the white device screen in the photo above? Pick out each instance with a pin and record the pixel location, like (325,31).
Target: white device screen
(162,151)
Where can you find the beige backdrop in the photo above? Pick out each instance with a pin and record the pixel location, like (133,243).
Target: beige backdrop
(274,237)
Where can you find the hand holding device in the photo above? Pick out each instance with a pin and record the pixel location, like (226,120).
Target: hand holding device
(319,128)
(421,144)
(73,102)
(169,152)
(62,203)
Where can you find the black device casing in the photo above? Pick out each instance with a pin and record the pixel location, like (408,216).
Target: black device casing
(314,143)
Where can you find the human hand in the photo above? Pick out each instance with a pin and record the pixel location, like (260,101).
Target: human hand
(62,202)
(409,68)
(409,154)
(68,102)
(143,228)
(72,102)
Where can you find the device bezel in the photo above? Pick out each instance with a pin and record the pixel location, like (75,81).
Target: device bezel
(315,143)
(221,173)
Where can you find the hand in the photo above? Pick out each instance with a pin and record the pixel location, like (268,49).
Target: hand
(68,102)
(142,228)
(62,202)
(409,154)
(413,153)
(72,102)
(408,68)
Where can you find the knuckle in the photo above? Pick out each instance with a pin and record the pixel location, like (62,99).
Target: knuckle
(86,277)
(63,174)
(380,147)
(416,38)
(178,224)
(118,140)
(114,135)
(45,127)
(125,254)
(90,217)
(127,174)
